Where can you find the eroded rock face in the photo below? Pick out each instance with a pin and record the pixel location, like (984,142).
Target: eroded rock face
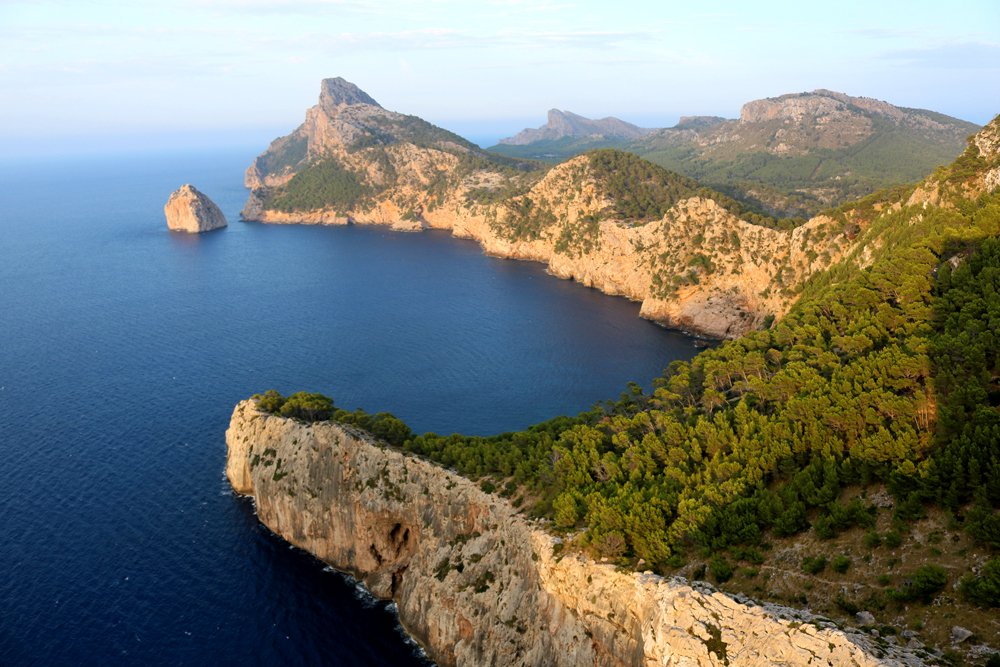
(478,584)
(189,210)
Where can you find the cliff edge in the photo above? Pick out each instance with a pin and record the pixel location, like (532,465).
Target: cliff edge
(478,584)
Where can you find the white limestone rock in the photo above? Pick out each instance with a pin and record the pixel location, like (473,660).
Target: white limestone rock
(189,210)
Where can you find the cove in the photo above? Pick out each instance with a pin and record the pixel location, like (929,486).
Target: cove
(124,348)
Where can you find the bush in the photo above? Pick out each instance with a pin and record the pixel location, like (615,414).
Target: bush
(307,407)
(983,590)
(872,539)
(814,564)
(271,401)
(841,563)
(925,582)
(720,568)
(824,528)
(893,539)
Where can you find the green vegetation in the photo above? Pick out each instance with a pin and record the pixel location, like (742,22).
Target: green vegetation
(925,582)
(840,563)
(984,589)
(814,564)
(885,372)
(320,185)
(285,152)
(643,191)
(889,155)
(393,128)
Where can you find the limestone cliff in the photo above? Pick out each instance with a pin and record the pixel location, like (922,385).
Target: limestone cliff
(700,264)
(699,268)
(189,210)
(478,584)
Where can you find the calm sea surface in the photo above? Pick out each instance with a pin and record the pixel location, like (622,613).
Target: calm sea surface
(124,347)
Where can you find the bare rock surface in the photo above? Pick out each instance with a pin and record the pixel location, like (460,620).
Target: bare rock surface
(189,210)
(478,584)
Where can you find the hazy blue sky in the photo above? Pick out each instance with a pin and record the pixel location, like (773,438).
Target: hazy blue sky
(153,72)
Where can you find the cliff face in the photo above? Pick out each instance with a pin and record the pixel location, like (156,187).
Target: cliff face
(477,584)
(698,267)
(189,210)
(745,281)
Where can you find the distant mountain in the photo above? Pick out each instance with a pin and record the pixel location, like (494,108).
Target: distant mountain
(792,155)
(346,118)
(566,124)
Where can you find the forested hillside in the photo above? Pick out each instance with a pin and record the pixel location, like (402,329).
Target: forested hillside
(858,431)
(794,155)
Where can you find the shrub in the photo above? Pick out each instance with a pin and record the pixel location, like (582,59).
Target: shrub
(983,590)
(824,528)
(720,568)
(841,563)
(676,561)
(872,539)
(814,564)
(893,539)
(307,407)
(925,582)
(271,401)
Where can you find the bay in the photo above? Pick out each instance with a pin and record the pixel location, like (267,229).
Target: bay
(124,347)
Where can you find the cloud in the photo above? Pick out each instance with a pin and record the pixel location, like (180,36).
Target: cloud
(958,55)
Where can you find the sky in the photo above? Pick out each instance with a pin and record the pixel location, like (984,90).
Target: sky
(110,75)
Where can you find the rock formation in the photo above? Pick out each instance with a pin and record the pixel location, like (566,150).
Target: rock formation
(478,584)
(189,210)
(566,124)
(699,267)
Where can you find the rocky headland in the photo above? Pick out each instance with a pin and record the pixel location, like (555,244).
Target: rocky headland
(476,583)
(696,259)
(189,210)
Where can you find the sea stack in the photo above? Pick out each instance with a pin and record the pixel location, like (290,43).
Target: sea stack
(189,210)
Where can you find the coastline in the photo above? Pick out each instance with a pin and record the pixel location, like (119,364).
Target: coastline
(476,583)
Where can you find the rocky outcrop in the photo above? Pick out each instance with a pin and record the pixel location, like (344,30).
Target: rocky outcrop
(567,124)
(478,584)
(189,210)
(742,285)
(698,268)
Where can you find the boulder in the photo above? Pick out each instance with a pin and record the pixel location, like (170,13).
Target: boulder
(960,634)
(189,210)
(865,618)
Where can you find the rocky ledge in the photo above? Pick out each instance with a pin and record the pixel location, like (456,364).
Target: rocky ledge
(189,210)
(478,584)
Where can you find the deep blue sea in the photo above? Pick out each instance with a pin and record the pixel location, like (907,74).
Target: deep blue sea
(124,347)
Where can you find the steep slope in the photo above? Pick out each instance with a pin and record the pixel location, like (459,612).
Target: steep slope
(478,584)
(562,124)
(697,259)
(796,154)
(847,459)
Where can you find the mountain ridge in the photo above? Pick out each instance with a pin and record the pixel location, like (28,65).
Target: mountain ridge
(795,154)
(567,124)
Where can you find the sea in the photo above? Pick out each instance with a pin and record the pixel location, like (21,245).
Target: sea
(124,348)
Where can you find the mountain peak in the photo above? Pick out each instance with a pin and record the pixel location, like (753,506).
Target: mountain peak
(338,92)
